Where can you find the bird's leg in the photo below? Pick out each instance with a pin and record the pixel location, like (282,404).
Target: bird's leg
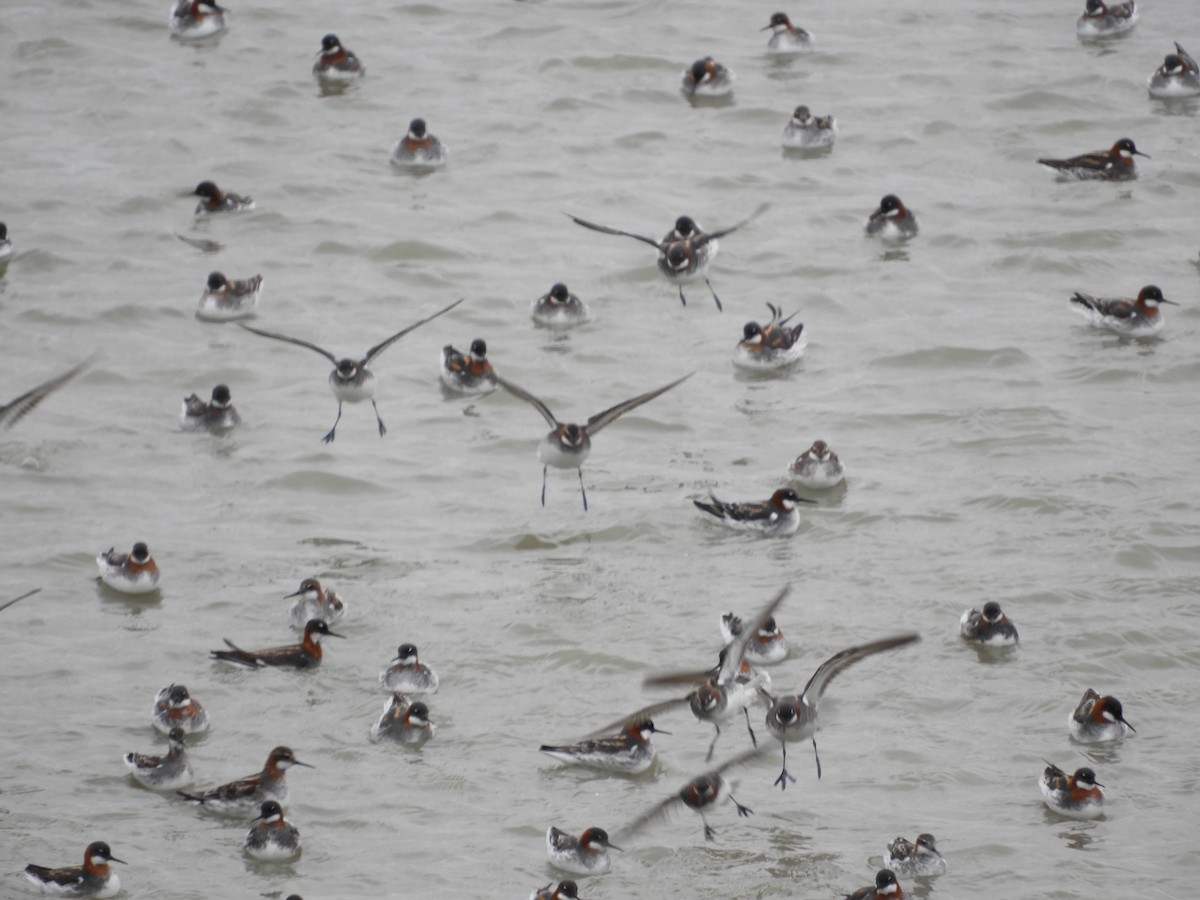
(784,777)
(720,308)
(713,745)
(333,431)
(382,429)
(742,810)
(709,834)
(543,486)
(816,756)
(682,299)
(582,490)
(746,713)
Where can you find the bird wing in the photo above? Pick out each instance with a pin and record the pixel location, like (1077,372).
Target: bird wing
(598,421)
(646,712)
(22,597)
(604,229)
(530,399)
(732,659)
(839,661)
(701,239)
(291,340)
(380,347)
(13,412)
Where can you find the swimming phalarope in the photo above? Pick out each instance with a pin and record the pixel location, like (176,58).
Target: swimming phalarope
(1139,317)
(93,879)
(305,655)
(418,148)
(1115,164)
(217,415)
(583,855)
(6,247)
(315,603)
(559,307)
(817,468)
(131,573)
(892,221)
(404,722)
(175,708)
(793,717)
(567,446)
(919,860)
(707,77)
(215,200)
(1178,76)
(246,795)
(990,627)
(1098,719)
(628,752)
(271,838)
(163,773)
(15,410)
(408,674)
(806,131)
(767,645)
(192,20)
(1106,20)
(773,517)
(1077,796)
(468,373)
(686,251)
(336,63)
(770,346)
(557,890)
(224,300)
(351,381)
(786,37)
(885,888)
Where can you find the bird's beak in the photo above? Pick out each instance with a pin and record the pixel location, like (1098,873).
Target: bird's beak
(1173,303)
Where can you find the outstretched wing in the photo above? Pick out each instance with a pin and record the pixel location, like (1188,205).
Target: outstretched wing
(839,661)
(22,597)
(13,412)
(291,340)
(646,712)
(604,229)
(380,347)
(703,238)
(732,659)
(598,421)
(530,399)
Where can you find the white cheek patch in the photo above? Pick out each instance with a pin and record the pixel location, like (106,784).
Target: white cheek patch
(1109,716)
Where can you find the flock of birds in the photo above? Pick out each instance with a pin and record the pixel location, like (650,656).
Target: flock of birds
(739,681)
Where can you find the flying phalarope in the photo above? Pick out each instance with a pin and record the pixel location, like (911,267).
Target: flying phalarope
(403,722)
(215,200)
(246,795)
(808,132)
(558,308)
(707,78)
(93,879)
(628,752)
(408,674)
(919,860)
(1076,796)
(225,301)
(351,381)
(132,573)
(794,717)
(192,20)
(1098,719)
(885,888)
(336,63)
(6,247)
(163,773)
(892,221)
(1104,20)
(1178,76)
(583,855)
(15,410)
(175,708)
(560,890)
(786,37)
(1139,317)
(770,346)
(685,252)
(315,603)
(767,645)
(468,373)
(567,446)
(217,415)
(271,838)
(419,148)
(305,655)
(1107,165)
(774,517)
(990,628)
(817,468)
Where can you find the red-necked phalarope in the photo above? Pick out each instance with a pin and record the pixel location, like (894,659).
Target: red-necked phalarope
(1178,76)
(305,655)
(132,573)
(217,415)
(418,148)
(1104,20)
(15,410)
(808,132)
(583,855)
(628,752)
(892,221)
(192,20)
(765,646)
(93,879)
(404,722)
(817,468)
(335,62)
(1076,796)
(1109,165)
(990,627)
(225,301)
(246,795)
(558,308)
(351,381)
(707,77)
(1098,719)
(163,773)
(557,890)
(567,446)
(770,346)
(885,888)
(215,200)
(773,517)
(315,603)
(786,37)
(408,674)
(272,838)
(468,373)
(174,708)
(794,717)
(1139,317)
(919,860)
